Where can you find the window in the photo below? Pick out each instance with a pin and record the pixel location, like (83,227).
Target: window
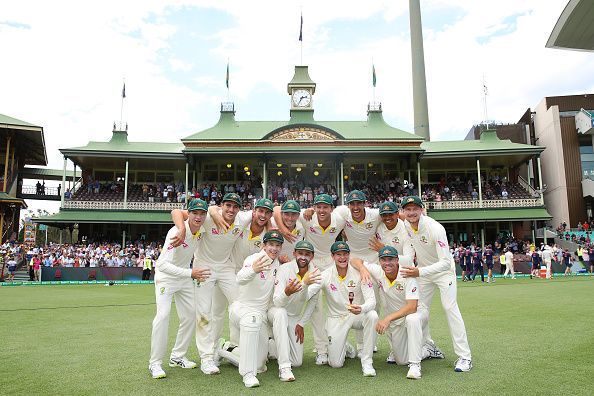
(164,177)
(145,177)
(104,175)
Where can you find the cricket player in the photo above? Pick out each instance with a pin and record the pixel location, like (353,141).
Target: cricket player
(350,304)
(477,261)
(535,259)
(321,231)
(288,316)
(249,313)
(215,255)
(402,324)
(435,270)
(488,256)
(173,280)
(509,263)
(547,258)
(289,215)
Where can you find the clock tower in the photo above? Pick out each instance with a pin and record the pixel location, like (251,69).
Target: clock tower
(301,90)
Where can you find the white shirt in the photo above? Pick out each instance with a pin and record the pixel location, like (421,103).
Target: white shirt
(173,263)
(246,245)
(547,254)
(289,247)
(295,302)
(339,292)
(256,288)
(509,258)
(393,295)
(430,244)
(398,238)
(359,233)
(322,238)
(218,244)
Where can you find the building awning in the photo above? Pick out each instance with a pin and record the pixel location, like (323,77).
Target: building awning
(105,217)
(7,199)
(481,215)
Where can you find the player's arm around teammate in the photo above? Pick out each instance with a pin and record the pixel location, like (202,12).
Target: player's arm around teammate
(173,280)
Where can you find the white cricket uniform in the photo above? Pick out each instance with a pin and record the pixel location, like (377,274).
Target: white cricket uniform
(249,314)
(436,270)
(405,334)
(397,238)
(289,247)
(509,262)
(359,234)
(547,258)
(245,246)
(321,239)
(338,293)
(215,254)
(286,314)
(173,279)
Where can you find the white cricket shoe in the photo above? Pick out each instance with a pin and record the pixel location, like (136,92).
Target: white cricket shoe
(351,352)
(250,380)
(182,362)
(463,365)
(391,359)
(286,375)
(430,351)
(322,359)
(414,371)
(157,371)
(208,367)
(368,370)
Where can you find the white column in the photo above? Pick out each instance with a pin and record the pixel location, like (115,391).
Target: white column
(126,188)
(341,194)
(540,180)
(123,238)
(480,185)
(483,236)
(419,178)
(264,179)
(63,187)
(187,170)
(73,179)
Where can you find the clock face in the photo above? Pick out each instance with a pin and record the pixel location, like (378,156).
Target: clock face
(301,98)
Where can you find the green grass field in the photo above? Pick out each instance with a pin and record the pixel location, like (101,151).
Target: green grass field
(527,337)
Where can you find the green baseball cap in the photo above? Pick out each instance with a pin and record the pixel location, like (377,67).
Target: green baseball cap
(339,246)
(197,204)
(354,196)
(264,203)
(323,198)
(232,197)
(388,207)
(291,207)
(304,245)
(412,199)
(388,251)
(273,236)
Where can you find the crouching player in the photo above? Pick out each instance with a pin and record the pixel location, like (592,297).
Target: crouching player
(249,312)
(399,298)
(173,279)
(288,317)
(350,304)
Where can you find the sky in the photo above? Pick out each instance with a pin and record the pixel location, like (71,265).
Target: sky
(64,63)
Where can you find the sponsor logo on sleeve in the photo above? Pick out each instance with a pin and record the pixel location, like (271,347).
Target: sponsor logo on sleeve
(441,244)
(214,231)
(414,289)
(333,287)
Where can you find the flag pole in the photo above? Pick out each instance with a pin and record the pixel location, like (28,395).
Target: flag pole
(227,80)
(301,36)
(373,78)
(122,104)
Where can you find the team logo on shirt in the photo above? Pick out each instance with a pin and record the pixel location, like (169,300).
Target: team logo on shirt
(399,286)
(424,239)
(257,243)
(351,283)
(214,231)
(312,230)
(396,240)
(369,226)
(332,230)
(235,231)
(333,287)
(162,291)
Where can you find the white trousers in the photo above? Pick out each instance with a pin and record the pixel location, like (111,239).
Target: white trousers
(338,331)
(509,268)
(446,283)
(183,293)
(548,264)
(212,297)
(406,339)
(288,351)
(253,337)
(318,318)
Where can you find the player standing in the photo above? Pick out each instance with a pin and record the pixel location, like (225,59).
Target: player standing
(488,256)
(477,261)
(509,263)
(568,261)
(173,280)
(435,270)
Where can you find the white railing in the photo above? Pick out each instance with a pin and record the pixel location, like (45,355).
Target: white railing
(525,185)
(487,204)
(120,205)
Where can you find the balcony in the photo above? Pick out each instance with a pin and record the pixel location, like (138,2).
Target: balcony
(119,205)
(486,204)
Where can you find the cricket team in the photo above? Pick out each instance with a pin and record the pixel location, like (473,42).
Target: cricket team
(275,269)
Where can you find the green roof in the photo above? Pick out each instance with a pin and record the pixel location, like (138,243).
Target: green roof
(507,214)
(119,145)
(300,79)
(5,198)
(374,128)
(46,173)
(4,119)
(68,216)
(488,144)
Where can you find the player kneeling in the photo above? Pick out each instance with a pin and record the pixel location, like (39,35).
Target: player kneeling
(290,296)
(173,279)
(350,304)
(403,325)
